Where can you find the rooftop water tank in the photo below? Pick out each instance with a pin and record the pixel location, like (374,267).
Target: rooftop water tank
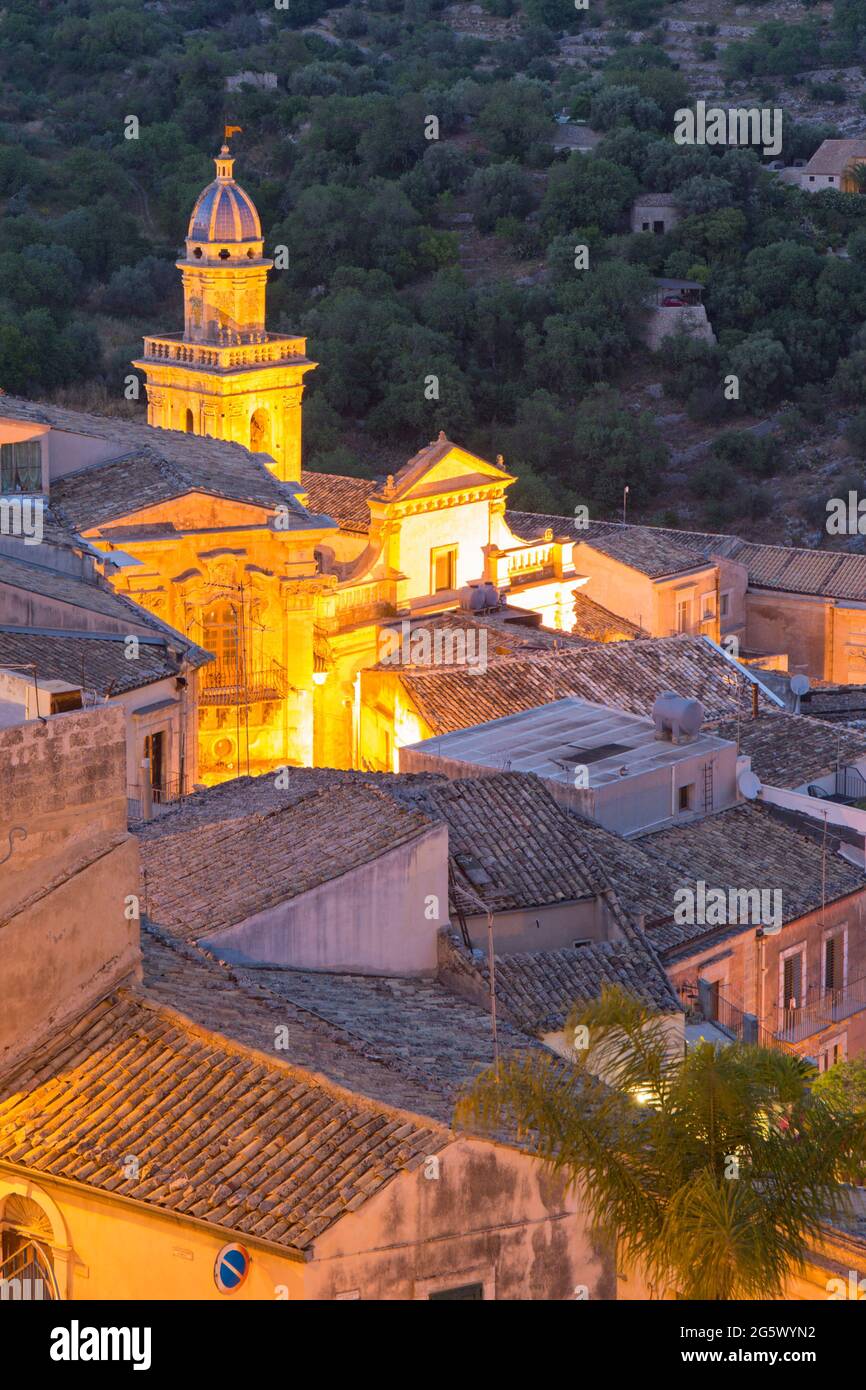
(676,718)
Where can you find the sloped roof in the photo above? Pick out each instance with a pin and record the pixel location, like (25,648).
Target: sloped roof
(104,492)
(510,843)
(630,675)
(93,596)
(149,464)
(202,878)
(485,636)
(221,1133)
(343,498)
(788,749)
(834,156)
(598,624)
(642,879)
(539,989)
(751,847)
(824,573)
(95,661)
(791,569)
(651,550)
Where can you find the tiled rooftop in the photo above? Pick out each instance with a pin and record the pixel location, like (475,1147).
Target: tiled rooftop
(95,661)
(791,569)
(510,844)
(653,551)
(751,847)
(245,1004)
(787,749)
(598,624)
(197,879)
(537,990)
(222,1133)
(105,492)
(153,461)
(343,498)
(630,675)
(504,635)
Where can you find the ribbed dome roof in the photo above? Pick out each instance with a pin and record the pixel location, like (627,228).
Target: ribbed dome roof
(223,211)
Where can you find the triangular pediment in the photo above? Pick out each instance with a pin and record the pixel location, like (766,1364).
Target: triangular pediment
(190,511)
(442,467)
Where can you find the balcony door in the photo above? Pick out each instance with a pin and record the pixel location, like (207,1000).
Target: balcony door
(220,625)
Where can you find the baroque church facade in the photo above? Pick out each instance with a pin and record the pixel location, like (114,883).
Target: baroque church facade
(293,596)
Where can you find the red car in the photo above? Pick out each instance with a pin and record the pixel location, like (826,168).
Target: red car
(673,301)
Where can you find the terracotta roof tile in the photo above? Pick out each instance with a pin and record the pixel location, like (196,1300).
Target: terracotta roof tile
(787,749)
(629,675)
(219,1132)
(198,877)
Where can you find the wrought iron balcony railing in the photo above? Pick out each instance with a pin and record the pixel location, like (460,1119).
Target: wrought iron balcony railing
(821,1010)
(231,684)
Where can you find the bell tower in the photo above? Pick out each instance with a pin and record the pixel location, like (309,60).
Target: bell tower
(226,376)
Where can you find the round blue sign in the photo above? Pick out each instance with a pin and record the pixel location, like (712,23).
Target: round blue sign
(231,1267)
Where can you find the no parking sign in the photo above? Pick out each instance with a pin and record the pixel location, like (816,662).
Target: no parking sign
(231,1267)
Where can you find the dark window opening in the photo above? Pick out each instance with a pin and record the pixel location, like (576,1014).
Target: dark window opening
(65,700)
(833,963)
(686,797)
(224,254)
(792,982)
(154,749)
(469,1292)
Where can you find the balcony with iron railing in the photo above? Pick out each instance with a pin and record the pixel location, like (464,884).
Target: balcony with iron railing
(712,1006)
(231,683)
(819,1010)
(143,800)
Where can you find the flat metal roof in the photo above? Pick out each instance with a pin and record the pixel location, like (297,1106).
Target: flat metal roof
(551,740)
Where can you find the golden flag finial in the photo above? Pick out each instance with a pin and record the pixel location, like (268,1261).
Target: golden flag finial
(231,130)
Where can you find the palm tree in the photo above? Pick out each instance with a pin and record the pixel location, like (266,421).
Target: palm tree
(713,1171)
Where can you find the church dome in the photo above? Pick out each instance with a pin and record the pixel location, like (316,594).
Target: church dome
(223,211)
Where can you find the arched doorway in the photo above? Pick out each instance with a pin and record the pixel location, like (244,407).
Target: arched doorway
(260,432)
(26,1256)
(189,423)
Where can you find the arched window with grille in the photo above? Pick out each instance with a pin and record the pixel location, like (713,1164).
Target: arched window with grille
(26,1258)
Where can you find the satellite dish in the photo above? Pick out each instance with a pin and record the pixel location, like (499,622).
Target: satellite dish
(800,685)
(769,929)
(749,785)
